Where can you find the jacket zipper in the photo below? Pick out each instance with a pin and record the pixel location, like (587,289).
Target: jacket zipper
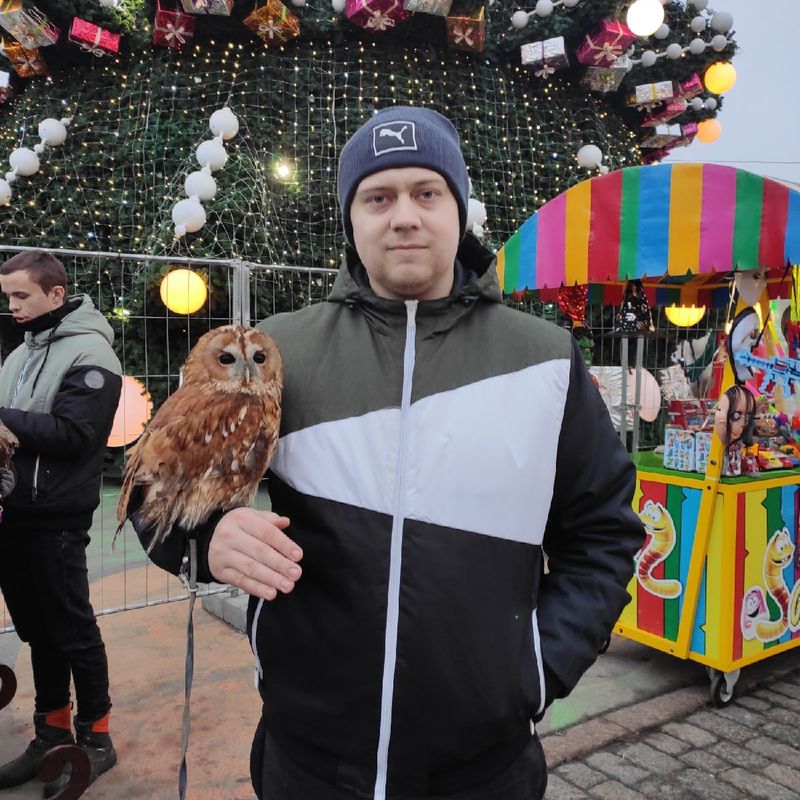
(259,670)
(21,379)
(35,487)
(395,557)
(537,652)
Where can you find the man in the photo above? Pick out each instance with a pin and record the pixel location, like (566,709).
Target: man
(58,394)
(433,443)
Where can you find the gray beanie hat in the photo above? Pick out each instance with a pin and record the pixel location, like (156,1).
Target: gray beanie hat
(403,136)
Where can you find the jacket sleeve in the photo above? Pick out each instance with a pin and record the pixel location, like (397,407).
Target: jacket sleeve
(591,537)
(79,420)
(169,554)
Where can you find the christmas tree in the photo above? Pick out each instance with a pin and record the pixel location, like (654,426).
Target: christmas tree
(139,81)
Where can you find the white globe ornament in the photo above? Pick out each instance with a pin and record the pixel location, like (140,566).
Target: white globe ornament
(338,5)
(719,42)
(109,3)
(544,8)
(212,154)
(224,123)
(570,3)
(699,4)
(24,161)
(298,3)
(38,148)
(697,47)
(519,19)
(698,24)
(200,184)
(662,32)
(589,156)
(52,132)
(697,104)
(711,104)
(190,214)
(649,58)
(476,213)
(11,176)
(645,17)
(180,230)
(722,21)
(674,51)
(604,170)
(5,192)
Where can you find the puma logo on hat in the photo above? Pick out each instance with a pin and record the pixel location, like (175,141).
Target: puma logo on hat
(392,136)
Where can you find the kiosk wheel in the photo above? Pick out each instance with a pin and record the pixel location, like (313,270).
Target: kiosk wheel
(723,687)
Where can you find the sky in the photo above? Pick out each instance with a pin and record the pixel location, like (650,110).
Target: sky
(760,116)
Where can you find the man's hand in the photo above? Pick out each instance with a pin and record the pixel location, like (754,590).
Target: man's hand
(7,483)
(250,550)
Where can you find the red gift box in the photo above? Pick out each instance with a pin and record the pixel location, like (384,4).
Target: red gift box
(664,113)
(92,38)
(172,28)
(605,44)
(690,88)
(376,15)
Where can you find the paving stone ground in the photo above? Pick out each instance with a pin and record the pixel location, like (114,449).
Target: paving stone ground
(749,749)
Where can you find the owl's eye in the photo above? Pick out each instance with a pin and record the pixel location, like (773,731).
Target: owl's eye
(226,358)
(259,358)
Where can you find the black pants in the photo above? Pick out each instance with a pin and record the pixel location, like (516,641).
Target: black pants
(45,585)
(276,777)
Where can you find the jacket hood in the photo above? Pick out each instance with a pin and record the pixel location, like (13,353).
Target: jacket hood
(474,278)
(82,317)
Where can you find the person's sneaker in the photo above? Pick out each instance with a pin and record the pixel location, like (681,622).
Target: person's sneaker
(99,749)
(25,767)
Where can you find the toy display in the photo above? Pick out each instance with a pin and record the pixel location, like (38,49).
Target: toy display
(718,579)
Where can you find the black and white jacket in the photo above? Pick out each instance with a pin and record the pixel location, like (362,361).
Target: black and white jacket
(429,453)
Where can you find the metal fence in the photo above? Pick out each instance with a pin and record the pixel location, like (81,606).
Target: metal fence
(152,343)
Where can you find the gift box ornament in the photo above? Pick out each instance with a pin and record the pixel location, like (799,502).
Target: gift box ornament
(439,8)
(92,38)
(646,94)
(273,23)
(605,44)
(663,136)
(634,318)
(172,28)
(376,16)
(572,302)
(691,87)
(664,113)
(607,79)
(221,8)
(28,25)
(548,55)
(27,63)
(5,86)
(467,33)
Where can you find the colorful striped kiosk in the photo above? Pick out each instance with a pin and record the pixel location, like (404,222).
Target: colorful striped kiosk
(725,586)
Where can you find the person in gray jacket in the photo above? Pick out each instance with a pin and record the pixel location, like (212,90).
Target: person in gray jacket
(59,392)
(435,444)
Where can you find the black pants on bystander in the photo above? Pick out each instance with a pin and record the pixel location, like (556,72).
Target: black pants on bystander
(44,580)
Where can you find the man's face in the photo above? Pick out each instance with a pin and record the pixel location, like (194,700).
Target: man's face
(406,232)
(26,299)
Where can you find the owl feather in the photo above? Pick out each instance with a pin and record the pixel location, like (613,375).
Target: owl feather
(211,442)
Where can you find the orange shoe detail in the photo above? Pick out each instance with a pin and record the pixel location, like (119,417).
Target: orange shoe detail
(60,718)
(101,725)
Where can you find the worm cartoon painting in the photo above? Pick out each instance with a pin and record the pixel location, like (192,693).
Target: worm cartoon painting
(777,557)
(659,544)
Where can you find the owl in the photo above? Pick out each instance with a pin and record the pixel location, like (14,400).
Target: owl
(8,444)
(210,443)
